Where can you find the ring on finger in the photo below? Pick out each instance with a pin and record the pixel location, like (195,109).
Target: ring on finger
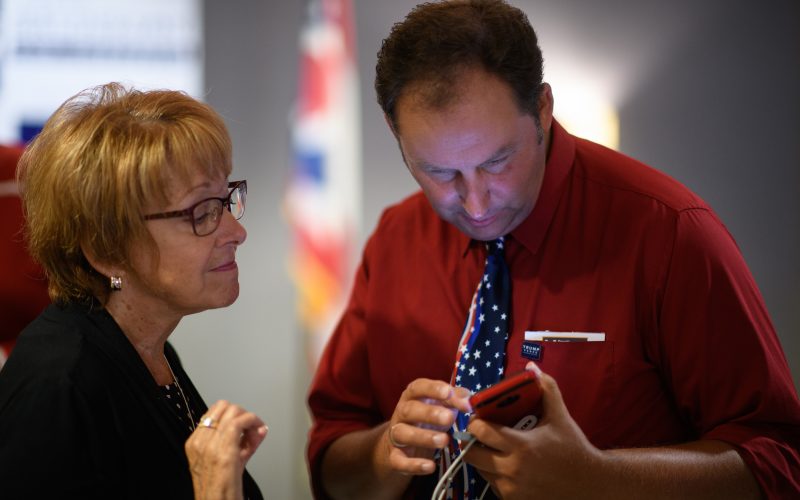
(392,440)
(208,422)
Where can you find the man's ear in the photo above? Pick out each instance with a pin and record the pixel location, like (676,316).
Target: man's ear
(390,124)
(396,137)
(546,108)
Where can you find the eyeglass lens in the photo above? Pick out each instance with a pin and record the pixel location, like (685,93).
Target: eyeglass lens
(206,215)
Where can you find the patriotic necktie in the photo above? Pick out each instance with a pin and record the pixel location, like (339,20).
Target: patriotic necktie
(481,355)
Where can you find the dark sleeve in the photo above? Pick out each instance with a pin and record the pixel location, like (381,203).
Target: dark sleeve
(721,357)
(49,446)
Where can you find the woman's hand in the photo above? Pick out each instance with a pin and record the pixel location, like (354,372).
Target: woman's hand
(218,450)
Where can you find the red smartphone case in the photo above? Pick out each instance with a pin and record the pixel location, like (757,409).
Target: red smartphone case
(509,400)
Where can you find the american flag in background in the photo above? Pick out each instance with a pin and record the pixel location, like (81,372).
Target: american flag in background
(323,199)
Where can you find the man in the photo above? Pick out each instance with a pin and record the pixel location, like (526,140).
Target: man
(683,391)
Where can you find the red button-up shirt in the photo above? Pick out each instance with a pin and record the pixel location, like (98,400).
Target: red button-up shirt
(611,246)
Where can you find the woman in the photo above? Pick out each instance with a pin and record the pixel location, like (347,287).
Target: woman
(131,215)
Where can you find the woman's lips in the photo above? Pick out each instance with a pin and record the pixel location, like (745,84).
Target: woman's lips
(230,266)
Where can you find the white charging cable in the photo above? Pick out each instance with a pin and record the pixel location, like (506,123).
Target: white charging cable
(527,422)
(448,476)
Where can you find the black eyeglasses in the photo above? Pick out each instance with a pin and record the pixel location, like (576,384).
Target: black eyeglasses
(206,214)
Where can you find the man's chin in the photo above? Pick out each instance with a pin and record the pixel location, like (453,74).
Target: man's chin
(487,233)
(491,230)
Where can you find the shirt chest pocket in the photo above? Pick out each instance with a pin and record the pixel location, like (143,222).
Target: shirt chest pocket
(584,372)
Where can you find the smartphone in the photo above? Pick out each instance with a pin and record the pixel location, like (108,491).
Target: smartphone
(511,401)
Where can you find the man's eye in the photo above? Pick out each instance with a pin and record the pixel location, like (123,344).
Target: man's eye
(442,175)
(497,165)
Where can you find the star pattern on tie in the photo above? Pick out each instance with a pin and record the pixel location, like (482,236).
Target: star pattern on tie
(490,329)
(481,352)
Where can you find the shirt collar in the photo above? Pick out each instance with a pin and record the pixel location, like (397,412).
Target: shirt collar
(561,156)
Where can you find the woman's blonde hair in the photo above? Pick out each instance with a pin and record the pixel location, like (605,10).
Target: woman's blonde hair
(101,157)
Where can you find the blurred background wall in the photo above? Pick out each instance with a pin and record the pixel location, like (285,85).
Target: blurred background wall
(706,91)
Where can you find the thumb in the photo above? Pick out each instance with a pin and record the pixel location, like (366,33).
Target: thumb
(552,402)
(251,440)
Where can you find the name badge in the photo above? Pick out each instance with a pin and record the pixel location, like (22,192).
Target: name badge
(548,336)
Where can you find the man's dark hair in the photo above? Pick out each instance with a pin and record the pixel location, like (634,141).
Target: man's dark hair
(437,41)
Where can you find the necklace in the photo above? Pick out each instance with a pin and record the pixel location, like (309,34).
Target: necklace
(183,396)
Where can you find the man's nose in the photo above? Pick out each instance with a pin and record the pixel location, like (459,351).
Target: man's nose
(475,198)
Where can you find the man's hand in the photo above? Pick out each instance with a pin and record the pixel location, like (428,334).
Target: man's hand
(552,460)
(418,427)
(379,462)
(556,460)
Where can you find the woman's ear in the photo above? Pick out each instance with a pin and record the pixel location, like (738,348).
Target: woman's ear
(100,266)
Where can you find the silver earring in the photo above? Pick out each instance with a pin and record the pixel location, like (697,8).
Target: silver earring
(116,283)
